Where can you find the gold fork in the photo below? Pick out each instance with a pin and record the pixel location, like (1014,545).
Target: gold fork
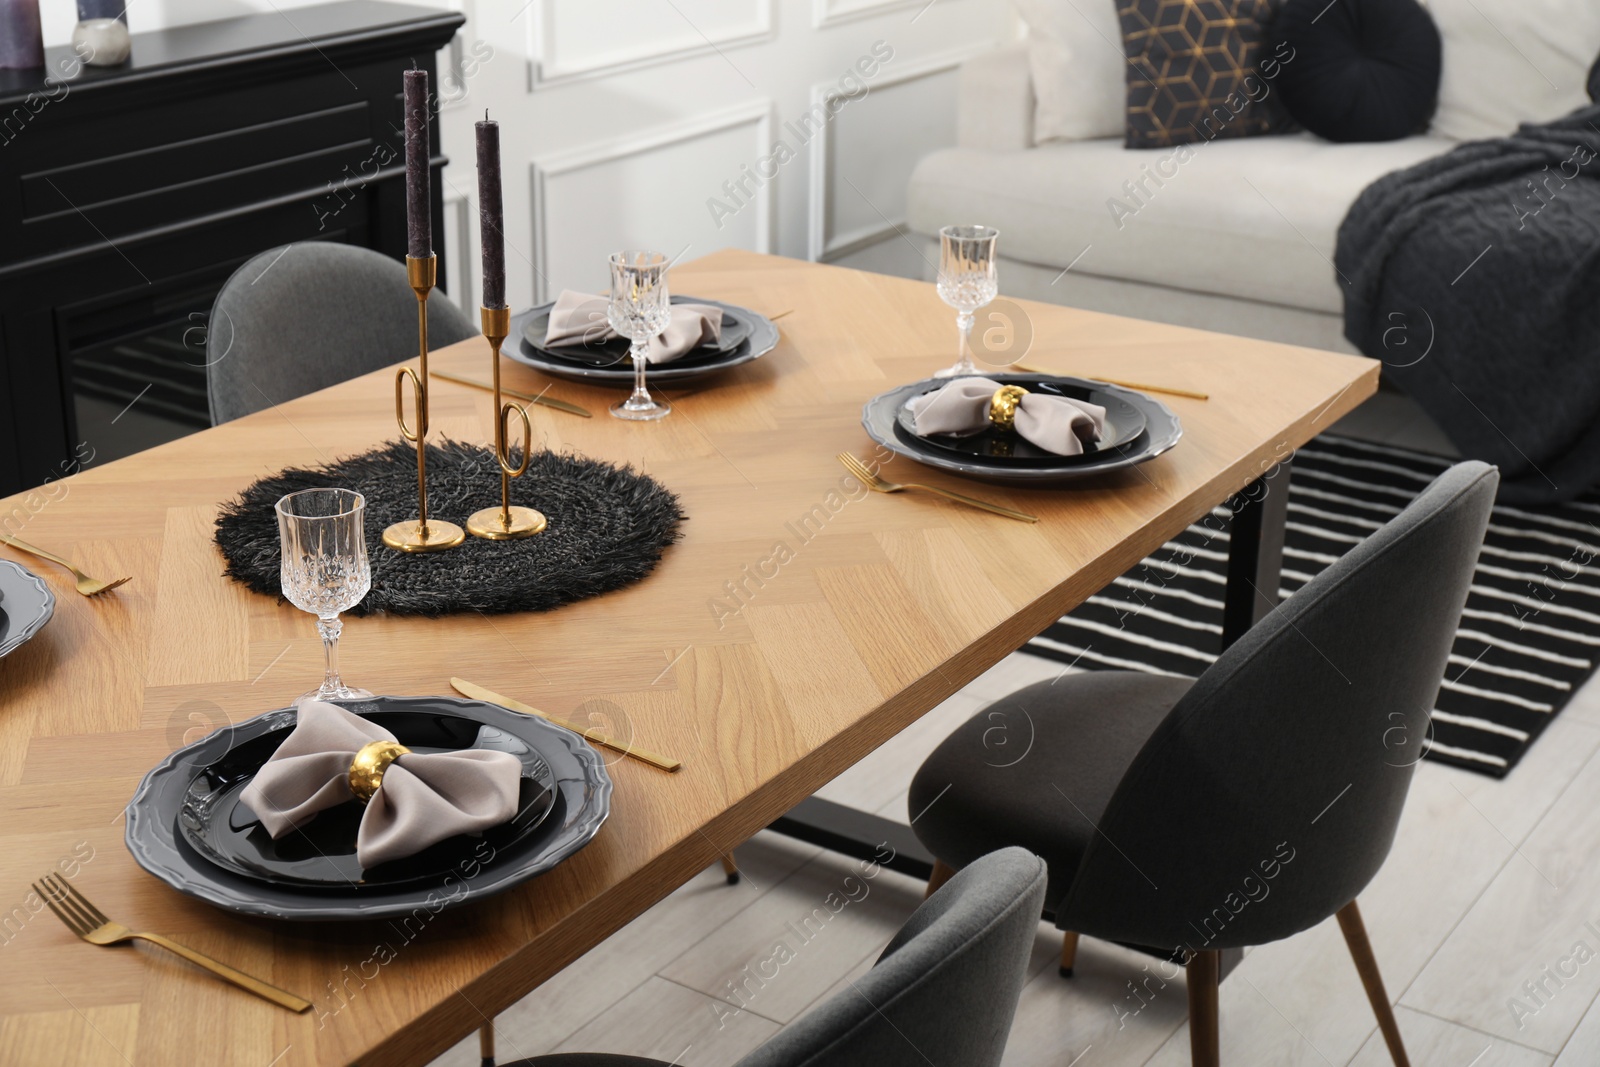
(86,585)
(877,484)
(90,923)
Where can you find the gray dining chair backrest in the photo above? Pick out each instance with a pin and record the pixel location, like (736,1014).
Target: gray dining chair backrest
(305,316)
(1270,794)
(945,989)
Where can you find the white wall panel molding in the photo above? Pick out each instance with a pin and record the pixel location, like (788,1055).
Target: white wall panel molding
(826,13)
(591,40)
(822,240)
(677,169)
(459,223)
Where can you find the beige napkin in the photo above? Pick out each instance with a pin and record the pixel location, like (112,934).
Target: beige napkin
(424,798)
(579,318)
(1053,423)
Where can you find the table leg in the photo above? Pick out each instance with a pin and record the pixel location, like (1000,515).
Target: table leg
(859,834)
(1255,552)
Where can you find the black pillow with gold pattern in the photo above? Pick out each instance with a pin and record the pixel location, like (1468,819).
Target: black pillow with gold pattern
(1198,70)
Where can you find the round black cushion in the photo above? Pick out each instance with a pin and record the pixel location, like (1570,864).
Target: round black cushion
(1594,81)
(1037,769)
(1357,70)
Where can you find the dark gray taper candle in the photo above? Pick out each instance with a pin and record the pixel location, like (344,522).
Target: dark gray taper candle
(491,216)
(419,216)
(21,36)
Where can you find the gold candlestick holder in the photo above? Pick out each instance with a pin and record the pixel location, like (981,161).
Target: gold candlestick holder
(419,534)
(508,521)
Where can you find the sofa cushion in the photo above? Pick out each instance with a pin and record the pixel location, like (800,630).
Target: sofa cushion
(1075,54)
(1361,70)
(1254,218)
(1511,61)
(1192,71)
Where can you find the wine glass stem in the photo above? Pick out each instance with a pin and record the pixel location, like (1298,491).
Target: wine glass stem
(329,627)
(640,352)
(964,324)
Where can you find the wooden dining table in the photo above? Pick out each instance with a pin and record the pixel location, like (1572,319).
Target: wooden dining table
(767,679)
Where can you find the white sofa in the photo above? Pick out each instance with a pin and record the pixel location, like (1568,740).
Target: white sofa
(1233,235)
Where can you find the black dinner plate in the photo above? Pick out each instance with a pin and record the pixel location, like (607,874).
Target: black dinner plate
(26,604)
(701,363)
(880,419)
(1124,424)
(581,802)
(613,351)
(322,853)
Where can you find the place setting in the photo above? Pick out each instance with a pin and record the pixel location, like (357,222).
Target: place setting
(1019,427)
(675,338)
(352,806)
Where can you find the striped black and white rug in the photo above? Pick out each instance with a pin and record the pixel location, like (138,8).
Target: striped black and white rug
(1530,635)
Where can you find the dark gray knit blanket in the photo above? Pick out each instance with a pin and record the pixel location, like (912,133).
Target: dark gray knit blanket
(1475,277)
(608,527)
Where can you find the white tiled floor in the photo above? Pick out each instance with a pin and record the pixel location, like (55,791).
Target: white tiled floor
(1489,883)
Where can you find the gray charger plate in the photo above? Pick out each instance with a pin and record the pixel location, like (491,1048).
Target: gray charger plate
(763,339)
(880,415)
(577,772)
(26,604)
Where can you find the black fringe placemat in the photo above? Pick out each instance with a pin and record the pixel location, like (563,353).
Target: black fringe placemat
(608,528)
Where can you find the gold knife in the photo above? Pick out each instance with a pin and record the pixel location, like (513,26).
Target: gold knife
(547,401)
(1141,386)
(593,735)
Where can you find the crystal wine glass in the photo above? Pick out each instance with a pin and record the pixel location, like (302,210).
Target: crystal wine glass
(639,309)
(325,569)
(966,282)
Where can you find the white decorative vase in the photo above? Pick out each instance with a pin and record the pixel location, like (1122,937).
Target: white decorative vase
(102,42)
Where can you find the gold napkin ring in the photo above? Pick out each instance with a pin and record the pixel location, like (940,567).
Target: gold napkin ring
(1003,406)
(366,770)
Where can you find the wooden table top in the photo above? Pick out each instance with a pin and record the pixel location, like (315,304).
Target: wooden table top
(881,607)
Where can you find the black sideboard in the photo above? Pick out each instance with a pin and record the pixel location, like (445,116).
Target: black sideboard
(128,195)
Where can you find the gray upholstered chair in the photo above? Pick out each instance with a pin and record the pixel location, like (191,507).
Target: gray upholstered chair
(942,994)
(1248,804)
(306,316)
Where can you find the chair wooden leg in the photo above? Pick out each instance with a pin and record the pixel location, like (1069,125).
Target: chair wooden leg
(1355,936)
(486,1044)
(1204,1046)
(942,873)
(730,868)
(1069,952)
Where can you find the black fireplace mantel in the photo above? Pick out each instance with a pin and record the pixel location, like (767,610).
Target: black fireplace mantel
(129,194)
